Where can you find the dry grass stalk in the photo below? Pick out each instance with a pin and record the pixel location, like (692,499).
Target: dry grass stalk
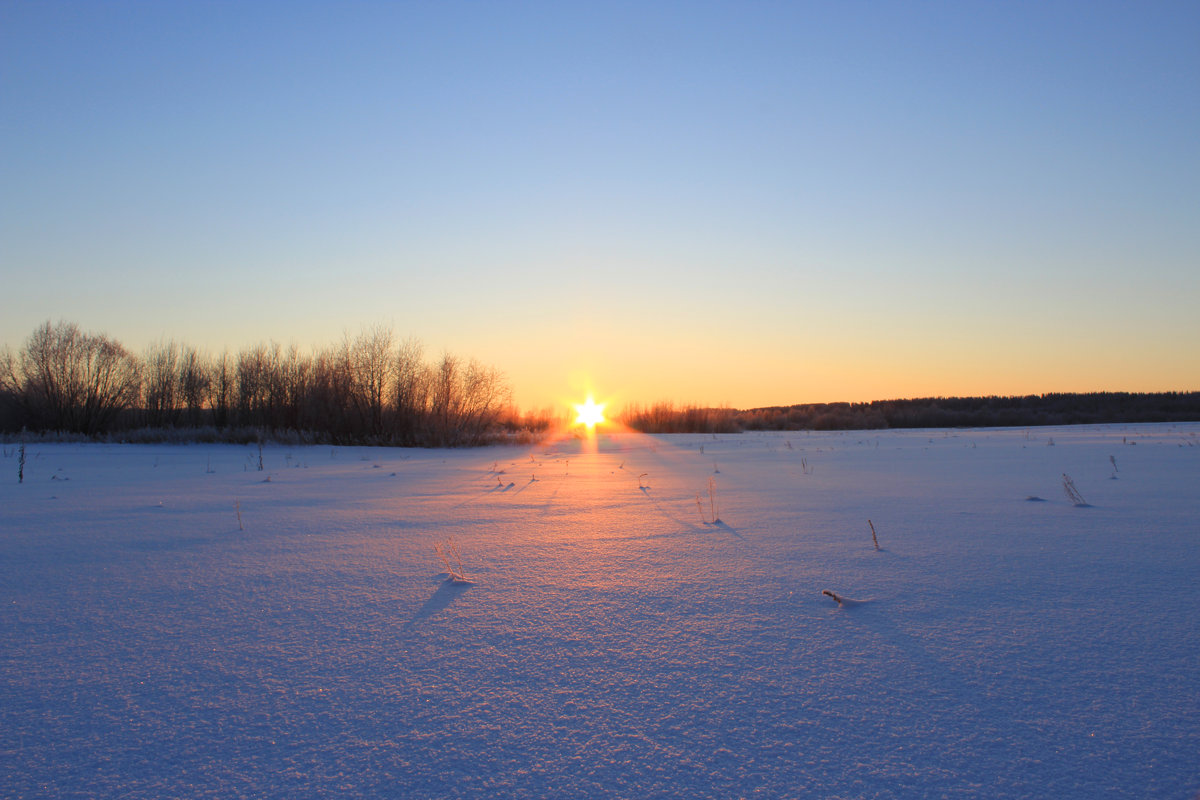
(1071,492)
(714,515)
(874,538)
(830,594)
(448,552)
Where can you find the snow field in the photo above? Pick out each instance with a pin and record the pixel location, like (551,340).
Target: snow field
(612,642)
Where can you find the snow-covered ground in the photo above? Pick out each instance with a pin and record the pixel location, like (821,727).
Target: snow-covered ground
(175,622)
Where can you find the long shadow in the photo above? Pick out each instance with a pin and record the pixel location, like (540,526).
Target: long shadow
(954,689)
(550,500)
(447,592)
(493,489)
(686,527)
(170,543)
(718,525)
(658,507)
(526,486)
(725,526)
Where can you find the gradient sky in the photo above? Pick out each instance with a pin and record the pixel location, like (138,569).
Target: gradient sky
(740,203)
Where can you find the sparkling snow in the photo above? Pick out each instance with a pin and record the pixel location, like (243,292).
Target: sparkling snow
(612,641)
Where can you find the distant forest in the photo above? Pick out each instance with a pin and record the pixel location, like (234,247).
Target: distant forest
(372,389)
(928,412)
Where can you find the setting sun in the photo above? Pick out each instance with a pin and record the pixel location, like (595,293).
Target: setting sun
(590,413)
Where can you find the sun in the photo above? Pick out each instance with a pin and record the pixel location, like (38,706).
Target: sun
(590,413)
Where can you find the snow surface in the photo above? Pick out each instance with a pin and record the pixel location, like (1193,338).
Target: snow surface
(612,642)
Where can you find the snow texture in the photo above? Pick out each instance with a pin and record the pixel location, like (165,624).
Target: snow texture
(176,623)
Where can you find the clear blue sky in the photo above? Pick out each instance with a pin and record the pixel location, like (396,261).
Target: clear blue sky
(743,203)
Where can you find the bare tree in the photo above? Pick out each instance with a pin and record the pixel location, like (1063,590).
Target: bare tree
(253,389)
(73,381)
(411,383)
(160,384)
(195,382)
(222,379)
(10,407)
(444,399)
(295,373)
(367,360)
(484,395)
(274,414)
(328,395)
(9,382)
(466,401)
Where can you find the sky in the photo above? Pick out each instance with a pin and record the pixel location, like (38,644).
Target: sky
(742,204)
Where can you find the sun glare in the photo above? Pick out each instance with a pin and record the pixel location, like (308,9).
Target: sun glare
(590,413)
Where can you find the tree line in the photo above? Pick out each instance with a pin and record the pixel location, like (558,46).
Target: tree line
(367,389)
(929,412)
(373,389)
